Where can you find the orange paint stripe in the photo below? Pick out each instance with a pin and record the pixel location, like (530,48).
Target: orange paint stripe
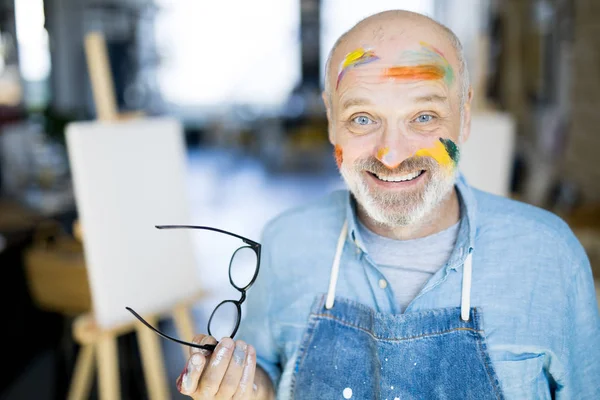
(425,72)
(339,156)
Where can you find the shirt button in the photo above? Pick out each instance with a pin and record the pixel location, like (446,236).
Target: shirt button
(382,283)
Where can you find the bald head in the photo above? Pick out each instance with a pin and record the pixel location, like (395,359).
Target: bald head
(393,29)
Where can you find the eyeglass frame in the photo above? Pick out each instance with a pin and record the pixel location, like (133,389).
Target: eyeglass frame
(255,246)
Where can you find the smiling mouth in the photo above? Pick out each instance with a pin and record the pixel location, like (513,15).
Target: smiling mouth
(398,178)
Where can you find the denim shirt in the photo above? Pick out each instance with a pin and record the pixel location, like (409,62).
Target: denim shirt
(531,279)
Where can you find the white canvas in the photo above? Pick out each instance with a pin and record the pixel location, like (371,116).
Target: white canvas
(129,177)
(487,157)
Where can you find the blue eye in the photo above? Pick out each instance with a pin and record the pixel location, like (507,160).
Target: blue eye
(424,118)
(362,120)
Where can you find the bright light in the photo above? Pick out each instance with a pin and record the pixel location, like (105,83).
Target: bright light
(224,52)
(337,16)
(34,54)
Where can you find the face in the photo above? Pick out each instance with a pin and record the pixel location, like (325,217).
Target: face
(395,121)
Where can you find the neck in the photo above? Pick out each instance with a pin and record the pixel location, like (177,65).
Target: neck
(446,214)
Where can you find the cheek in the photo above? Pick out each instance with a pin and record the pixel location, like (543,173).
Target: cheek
(443,151)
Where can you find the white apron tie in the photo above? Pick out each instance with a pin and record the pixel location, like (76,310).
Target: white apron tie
(465,304)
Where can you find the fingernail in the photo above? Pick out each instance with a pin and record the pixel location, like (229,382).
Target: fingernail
(196,361)
(204,341)
(254,387)
(227,343)
(239,354)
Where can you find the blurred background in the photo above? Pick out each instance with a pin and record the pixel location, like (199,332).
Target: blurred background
(244,78)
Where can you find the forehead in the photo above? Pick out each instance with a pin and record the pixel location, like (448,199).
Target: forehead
(359,91)
(380,81)
(419,54)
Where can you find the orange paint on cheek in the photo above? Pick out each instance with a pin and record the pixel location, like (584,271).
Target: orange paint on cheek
(339,156)
(419,72)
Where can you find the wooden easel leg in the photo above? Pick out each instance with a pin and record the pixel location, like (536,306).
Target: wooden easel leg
(152,361)
(109,384)
(82,376)
(185,326)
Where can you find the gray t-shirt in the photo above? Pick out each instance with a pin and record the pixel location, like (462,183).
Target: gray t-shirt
(408,264)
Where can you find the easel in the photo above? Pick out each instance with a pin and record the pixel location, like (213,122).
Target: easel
(99,345)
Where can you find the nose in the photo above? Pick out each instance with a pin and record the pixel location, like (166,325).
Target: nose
(393,148)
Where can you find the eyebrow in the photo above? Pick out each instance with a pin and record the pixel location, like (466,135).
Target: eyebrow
(354,102)
(358,101)
(431,98)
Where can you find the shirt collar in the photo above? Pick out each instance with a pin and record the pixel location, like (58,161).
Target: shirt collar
(466,232)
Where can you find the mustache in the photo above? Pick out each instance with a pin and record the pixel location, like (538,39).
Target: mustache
(373,165)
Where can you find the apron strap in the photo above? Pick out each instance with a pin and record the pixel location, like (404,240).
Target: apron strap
(465,303)
(336,266)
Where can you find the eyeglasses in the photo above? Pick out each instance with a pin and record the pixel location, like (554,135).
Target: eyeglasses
(243,270)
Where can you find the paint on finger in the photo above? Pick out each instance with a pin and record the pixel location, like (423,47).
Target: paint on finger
(246,372)
(178,383)
(218,357)
(206,340)
(189,380)
(239,354)
(339,156)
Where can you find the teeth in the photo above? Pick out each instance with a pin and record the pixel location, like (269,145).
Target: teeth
(402,178)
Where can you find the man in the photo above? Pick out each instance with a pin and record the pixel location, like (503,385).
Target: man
(412,285)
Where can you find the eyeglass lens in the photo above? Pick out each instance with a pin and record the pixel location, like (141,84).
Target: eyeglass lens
(242,267)
(224,320)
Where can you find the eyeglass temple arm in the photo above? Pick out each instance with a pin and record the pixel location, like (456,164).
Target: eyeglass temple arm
(208,228)
(210,347)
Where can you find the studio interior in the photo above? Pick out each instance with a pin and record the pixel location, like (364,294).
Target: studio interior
(120,115)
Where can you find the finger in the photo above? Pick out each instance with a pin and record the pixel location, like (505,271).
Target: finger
(216,368)
(246,389)
(203,339)
(233,375)
(196,340)
(188,380)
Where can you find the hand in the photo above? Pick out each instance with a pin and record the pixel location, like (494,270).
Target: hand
(226,373)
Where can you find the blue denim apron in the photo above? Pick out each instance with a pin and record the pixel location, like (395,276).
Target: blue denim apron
(350,351)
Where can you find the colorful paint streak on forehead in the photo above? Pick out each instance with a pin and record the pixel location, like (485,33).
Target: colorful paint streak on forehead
(427,63)
(445,152)
(353,59)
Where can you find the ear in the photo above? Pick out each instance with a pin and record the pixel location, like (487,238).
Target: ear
(466,122)
(326,100)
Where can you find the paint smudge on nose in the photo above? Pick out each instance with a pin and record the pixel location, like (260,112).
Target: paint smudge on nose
(387,156)
(347,393)
(339,156)
(382,152)
(445,152)
(353,59)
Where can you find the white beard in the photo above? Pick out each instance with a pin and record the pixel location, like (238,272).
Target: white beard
(400,209)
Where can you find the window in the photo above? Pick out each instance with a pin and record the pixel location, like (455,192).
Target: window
(228,52)
(337,16)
